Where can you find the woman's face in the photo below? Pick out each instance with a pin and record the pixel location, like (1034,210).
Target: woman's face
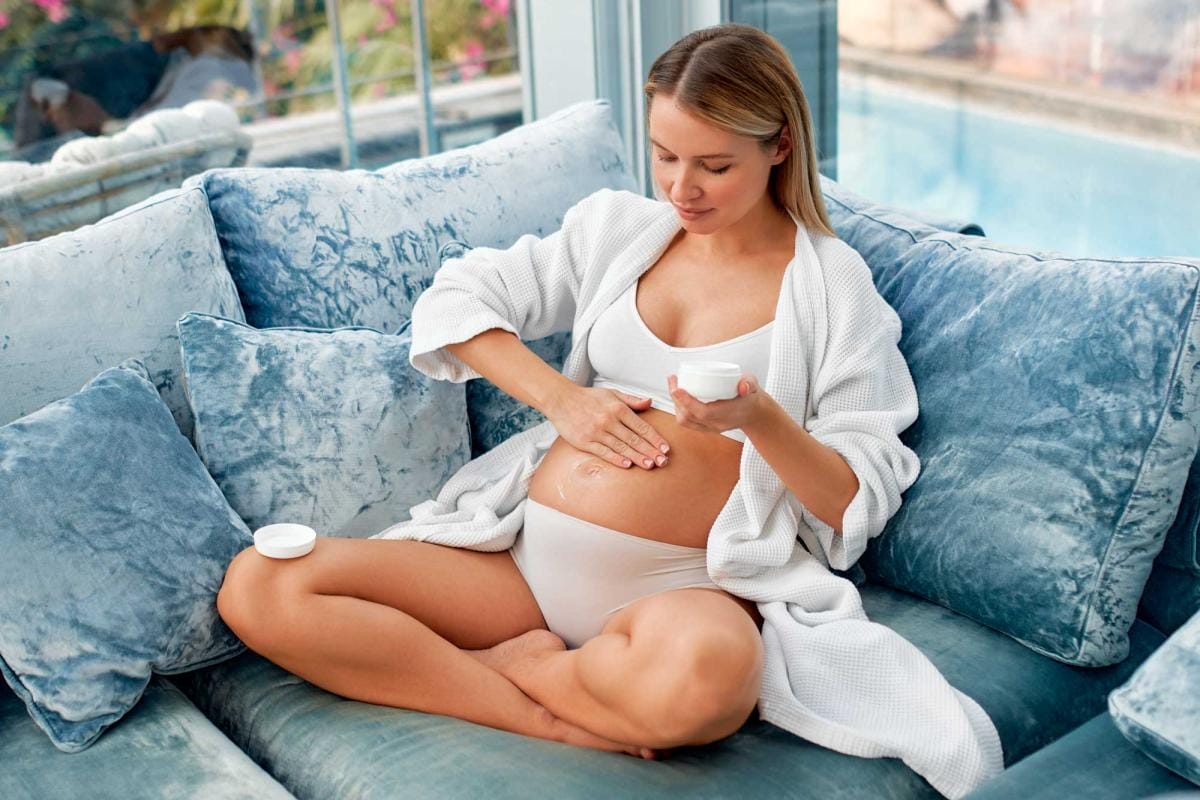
(701,168)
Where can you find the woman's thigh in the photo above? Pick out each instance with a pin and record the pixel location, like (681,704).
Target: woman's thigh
(473,599)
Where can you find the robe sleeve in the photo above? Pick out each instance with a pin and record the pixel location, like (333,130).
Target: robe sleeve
(864,398)
(529,289)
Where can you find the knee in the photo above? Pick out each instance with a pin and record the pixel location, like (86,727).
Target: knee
(247,595)
(716,683)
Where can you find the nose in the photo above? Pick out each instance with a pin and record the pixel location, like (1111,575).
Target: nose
(684,189)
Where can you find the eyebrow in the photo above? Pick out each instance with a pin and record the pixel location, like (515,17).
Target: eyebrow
(710,155)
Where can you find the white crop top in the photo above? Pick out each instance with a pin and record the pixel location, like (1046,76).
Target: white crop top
(628,357)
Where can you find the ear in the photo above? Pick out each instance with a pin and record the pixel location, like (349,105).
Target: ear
(784,147)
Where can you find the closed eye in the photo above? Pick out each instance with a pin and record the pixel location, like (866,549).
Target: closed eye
(713,171)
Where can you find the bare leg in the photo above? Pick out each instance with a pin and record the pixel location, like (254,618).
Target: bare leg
(586,685)
(616,684)
(371,652)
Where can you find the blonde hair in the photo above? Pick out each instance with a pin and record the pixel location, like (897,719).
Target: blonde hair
(740,79)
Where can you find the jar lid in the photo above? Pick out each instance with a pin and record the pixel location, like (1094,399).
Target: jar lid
(285,540)
(716,368)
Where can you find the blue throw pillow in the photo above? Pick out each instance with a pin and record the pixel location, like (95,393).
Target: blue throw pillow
(115,541)
(1158,708)
(329,428)
(76,303)
(1058,419)
(329,248)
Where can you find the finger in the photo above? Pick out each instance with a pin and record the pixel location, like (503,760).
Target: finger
(631,398)
(599,449)
(646,439)
(625,451)
(637,445)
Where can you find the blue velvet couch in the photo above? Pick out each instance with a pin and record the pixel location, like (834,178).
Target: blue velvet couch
(318,250)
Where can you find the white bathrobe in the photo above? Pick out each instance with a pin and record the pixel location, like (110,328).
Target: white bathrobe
(831,676)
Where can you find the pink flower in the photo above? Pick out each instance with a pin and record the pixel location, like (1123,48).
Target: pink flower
(471,64)
(292,60)
(3,20)
(388,22)
(487,20)
(499,7)
(56,10)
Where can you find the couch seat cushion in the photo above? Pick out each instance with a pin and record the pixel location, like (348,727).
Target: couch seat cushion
(163,748)
(375,751)
(1093,761)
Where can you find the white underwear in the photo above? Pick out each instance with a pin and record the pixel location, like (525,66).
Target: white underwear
(580,573)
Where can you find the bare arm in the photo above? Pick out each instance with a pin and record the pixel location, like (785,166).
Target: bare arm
(502,358)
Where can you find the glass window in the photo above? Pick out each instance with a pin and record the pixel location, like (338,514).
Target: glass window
(99,98)
(1069,125)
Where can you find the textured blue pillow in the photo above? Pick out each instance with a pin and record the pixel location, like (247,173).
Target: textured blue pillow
(328,428)
(76,303)
(1158,708)
(115,541)
(881,235)
(1058,421)
(327,248)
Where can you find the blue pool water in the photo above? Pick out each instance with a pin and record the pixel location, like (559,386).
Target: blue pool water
(1029,183)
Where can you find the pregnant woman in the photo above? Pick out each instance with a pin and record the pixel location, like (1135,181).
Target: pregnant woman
(563,585)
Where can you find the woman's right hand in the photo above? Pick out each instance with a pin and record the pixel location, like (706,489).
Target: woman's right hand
(602,422)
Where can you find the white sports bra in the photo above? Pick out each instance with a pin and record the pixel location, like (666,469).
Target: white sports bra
(628,357)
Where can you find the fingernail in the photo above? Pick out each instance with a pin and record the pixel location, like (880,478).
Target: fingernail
(647,462)
(661,460)
(664,447)
(625,462)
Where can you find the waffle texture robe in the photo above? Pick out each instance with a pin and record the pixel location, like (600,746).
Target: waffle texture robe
(831,676)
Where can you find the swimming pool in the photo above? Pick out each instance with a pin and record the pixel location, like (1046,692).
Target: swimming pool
(1028,182)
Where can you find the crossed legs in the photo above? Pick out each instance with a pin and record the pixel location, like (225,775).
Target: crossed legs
(395,623)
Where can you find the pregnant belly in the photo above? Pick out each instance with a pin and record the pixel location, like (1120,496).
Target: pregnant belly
(677,503)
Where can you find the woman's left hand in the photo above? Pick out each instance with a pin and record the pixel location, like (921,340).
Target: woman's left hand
(719,415)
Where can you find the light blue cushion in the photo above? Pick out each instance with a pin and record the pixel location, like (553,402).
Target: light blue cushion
(1093,761)
(115,541)
(880,234)
(164,748)
(79,302)
(328,428)
(1158,709)
(1058,419)
(281,719)
(327,249)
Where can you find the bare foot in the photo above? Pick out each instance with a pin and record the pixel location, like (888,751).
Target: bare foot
(512,657)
